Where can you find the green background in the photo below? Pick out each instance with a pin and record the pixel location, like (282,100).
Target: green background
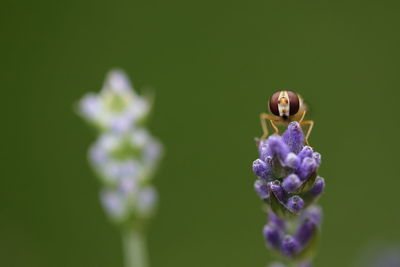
(213,65)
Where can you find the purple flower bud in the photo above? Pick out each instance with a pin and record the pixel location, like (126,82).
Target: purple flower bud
(273,236)
(290,246)
(314,214)
(276,147)
(294,137)
(292,161)
(275,220)
(306,152)
(261,169)
(317,157)
(276,188)
(291,183)
(307,167)
(318,187)
(295,203)
(261,189)
(305,232)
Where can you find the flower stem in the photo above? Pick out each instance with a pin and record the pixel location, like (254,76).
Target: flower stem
(134,243)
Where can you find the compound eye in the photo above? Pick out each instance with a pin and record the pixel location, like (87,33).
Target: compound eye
(273,104)
(294,102)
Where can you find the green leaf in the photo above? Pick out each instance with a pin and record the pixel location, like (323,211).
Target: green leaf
(278,207)
(307,184)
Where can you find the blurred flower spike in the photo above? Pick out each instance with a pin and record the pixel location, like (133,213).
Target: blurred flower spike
(289,185)
(125,154)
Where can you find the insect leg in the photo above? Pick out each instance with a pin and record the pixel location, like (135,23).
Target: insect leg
(302,116)
(274,126)
(263,117)
(311,123)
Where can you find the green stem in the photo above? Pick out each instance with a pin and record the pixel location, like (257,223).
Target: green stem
(135,251)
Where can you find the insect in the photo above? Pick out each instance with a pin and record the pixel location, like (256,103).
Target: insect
(285,107)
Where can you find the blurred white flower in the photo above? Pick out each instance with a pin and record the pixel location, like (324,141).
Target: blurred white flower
(125,154)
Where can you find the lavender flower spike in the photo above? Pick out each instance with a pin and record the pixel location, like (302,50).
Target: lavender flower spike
(287,174)
(124,157)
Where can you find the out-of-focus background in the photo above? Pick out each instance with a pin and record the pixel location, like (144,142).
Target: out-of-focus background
(213,66)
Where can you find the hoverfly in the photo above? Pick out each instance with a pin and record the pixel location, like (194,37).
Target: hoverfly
(285,107)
